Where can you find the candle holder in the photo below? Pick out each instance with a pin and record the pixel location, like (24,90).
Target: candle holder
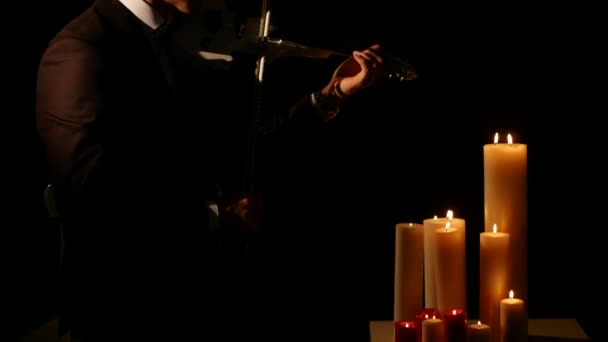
(405,331)
(455,321)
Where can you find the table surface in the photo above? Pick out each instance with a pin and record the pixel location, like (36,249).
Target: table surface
(539,329)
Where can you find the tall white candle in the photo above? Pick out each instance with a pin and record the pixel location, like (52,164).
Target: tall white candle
(513,320)
(506,203)
(408,271)
(451,271)
(493,277)
(433,330)
(430,250)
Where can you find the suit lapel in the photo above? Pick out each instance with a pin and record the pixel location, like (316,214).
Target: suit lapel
(130,34)
(119,17)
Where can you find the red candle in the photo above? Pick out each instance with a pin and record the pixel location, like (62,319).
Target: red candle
(455,323)
(421,316)
(405,331)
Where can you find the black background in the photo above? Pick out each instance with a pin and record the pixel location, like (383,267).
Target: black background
(524,69)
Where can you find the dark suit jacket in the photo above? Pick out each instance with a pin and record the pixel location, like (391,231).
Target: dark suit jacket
(130,162)
(117,154)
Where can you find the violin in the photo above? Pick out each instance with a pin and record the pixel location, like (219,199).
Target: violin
(219,32)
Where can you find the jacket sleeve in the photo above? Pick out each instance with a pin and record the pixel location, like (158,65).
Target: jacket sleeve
(302,116)
(69,101)
(288,103)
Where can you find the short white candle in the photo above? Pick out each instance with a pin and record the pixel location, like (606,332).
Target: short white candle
(513,320)
(479,332)
(432,330)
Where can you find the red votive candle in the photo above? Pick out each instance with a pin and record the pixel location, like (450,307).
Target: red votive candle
(421,316)
(405,331)
(455,323)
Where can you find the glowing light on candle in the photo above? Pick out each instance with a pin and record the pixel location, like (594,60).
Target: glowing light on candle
(447,226)
(433,316)
(435,217)
(450,215)
(495,228)
(426,316)
(478,323)
(407,325)
(453,312)
(510,139)
(511,294)
(496,138)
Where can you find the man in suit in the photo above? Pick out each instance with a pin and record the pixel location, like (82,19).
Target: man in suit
(135,170)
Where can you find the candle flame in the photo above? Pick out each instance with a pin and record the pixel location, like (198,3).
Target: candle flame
(511,294)
(447,226)
(426,316)
(435,217)
(410,224)
(407,325)
(450,215)
(453,312)
(478,322)
(495,228)
(496,138)
(510,139)
(433,316)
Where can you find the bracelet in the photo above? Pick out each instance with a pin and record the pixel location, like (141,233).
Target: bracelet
(327,109)
(337,91)
(329,105)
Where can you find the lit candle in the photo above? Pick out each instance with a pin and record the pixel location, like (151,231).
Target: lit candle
(409,254)
(424,315)
(405,331)
(430,226)
(479,332)
(493,277)
(450,268)
(455,323)
(432,330)
(513,320)
(505,202)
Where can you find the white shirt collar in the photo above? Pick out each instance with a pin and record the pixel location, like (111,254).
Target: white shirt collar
(144,12)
